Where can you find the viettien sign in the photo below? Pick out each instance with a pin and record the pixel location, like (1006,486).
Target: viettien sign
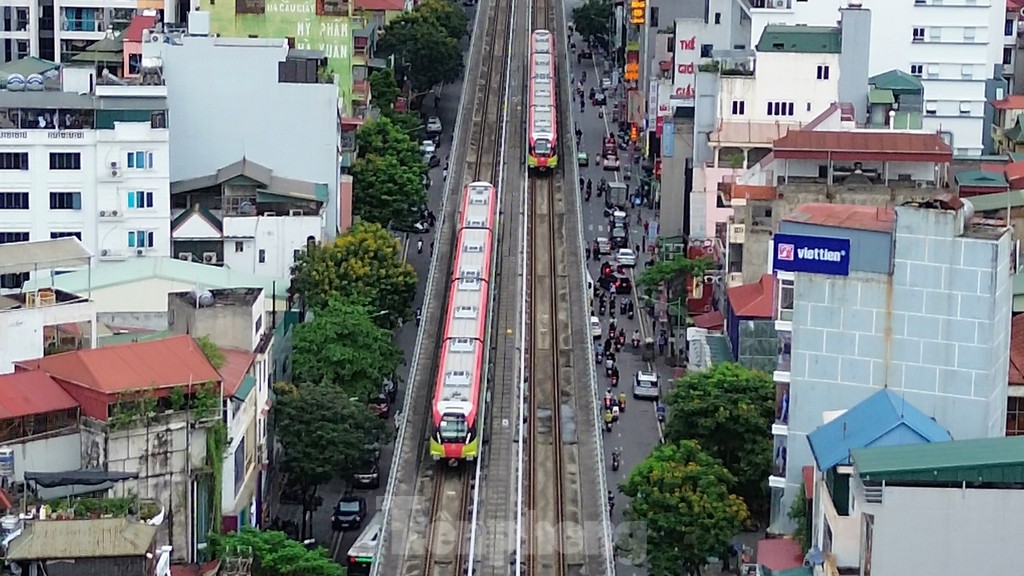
(812,254)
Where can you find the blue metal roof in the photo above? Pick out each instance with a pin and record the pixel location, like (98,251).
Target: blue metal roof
(883,419)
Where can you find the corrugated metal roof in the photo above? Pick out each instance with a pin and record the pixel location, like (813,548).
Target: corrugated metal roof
(167,363)
(72,539)
(755,300)
(31,392)
(236,367)
(863,145)
(981,178)
(800,39)
(897,81)
(1011,102)
(43,255)
(883,419)
(718,344)
(985,460)
(139,23)
(881,96)
(998,201)
(874,218)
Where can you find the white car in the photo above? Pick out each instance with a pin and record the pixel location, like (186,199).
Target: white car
(595,327)
(428,148)
(434,125)
(645,385)
(606,83)
(626,257)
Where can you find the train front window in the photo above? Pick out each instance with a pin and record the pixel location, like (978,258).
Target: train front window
(542,147)
(453,428)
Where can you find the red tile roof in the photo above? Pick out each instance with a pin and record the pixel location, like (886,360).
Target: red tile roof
(29,392)
(1011,102)
(166,363)
(1014,6)
(751,192)
(778,554)
(236,366)
(139,23)
(872,218)
(710,320)
(879,145)
(1016,377)
(394,5)
(1014,170)
(756,300)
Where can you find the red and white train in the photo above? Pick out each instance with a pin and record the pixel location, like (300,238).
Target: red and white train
(542,129)
(458,391)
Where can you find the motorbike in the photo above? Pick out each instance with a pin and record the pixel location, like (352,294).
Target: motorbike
(615,381)
(602,309)
(419,316)
(615,461)
(600,112)
(586,197)
(623,306)
(661,412)
(608,421)
(630,314)
(636,342)
(598,357)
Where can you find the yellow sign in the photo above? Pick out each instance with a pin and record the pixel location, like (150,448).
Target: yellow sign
(638,12)
(634,132)
(632,72)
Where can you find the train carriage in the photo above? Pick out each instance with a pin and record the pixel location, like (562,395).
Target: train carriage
(542,122)
(460,378)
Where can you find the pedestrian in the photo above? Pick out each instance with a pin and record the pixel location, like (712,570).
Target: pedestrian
(431,246)
(643,242)
(588,252)
(636,249)
(647,226)
(419,246)
(444,175)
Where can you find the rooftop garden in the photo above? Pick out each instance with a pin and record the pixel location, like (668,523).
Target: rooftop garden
(80,508)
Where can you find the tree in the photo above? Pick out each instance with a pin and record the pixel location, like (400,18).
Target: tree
(324,434)
(673,272)
(681,494)
(384,191)
(593,20)
(342,346)
(363,266)
(383,138)
(447,15)
(728,410)
(405,122)
(384,89)
(213,353)
(274,554)
(426,54)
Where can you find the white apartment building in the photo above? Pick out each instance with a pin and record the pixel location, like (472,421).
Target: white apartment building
(953,46)
(59,30)
(90,164)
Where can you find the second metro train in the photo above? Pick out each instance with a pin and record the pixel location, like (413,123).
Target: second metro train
(542,123)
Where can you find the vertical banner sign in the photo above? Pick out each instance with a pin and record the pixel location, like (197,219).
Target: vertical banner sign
(635,106)
(685,62)
(668,140)
(652,104)
(638,12)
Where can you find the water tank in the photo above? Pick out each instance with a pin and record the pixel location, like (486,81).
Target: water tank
(202,298)
(9,524)
(34,83)
(16,83)
(7,462)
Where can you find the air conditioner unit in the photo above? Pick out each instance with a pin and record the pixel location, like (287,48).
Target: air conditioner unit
(103,213)
(186,256)
(115,213)
(712,279)
(140,252)
(295,212)
(737,233)
(780,3)
(209,257)
(270,213)
(114,165)
(155,38)
(105,253)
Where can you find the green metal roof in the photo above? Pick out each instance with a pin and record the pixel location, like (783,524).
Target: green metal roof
(898,81)
(984,460)
(1015,156)
(798,571)
(998,201)
(245,388)
(1016,133)
(881,96)
(981,178)
(26,66)
(800,39)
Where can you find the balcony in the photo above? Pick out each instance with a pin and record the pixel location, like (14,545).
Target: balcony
(781,425)
(82,25)
(778,476)
(360,90)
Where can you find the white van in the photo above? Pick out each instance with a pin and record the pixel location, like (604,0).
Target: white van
(646,386)
(595,328)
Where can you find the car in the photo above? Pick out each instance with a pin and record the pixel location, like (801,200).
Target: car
(582,159)
(606,83)
(595,327)
(645,385)
(623,285)
(427,147)
(599,99)
(349,513)
(626,257)
(611,163)
(434,125)
(367,476)
(585,54)
(618,218)
(604,246)
(432,160)
(421,227)
(620,237)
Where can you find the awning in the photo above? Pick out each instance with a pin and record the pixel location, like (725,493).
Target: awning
(43,255)
(77,477)
(881,96)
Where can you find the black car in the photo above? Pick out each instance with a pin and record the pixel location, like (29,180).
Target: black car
(623,285)
(434,161)
(348,513)
(368,475)
(421,227)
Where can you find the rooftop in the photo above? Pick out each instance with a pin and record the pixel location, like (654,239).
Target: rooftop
(259,174)
(139,23)
(897,82)
(978,461)
(883,419)
(59,100)
(43,255)
(871,218)
(74,539)
(1016,377)
(168,363)
(755,300)
(1011,102)
(879,145)
(981,179)
(801,39)
(733,191)
(221,297)
(393,5)
(31,392)
(235,369)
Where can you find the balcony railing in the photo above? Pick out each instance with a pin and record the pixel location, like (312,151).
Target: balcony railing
(82,25)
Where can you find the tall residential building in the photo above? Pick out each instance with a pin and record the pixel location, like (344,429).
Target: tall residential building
(82,158)
(57,31)
(915,299)
(956,48)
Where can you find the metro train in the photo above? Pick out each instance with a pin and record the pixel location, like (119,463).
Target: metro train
(542,123)
(458,390)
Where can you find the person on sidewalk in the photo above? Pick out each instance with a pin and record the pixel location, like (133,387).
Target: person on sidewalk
(419,246)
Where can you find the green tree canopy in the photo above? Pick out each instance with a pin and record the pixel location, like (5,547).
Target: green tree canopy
(324,433)
(729,411)
(384,89)
(274,554)
(383,138)
(593,19)
(673,272)
(385,191)
(427,55)
(681,494)
(405,122)
(446,14)
(342,346)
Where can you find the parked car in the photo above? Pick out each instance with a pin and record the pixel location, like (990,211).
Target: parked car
(434,125)
(348,513)
(368,475)
(604,246)
(432,161)
(626,257)
(582,159)
(427,147)
(595,327)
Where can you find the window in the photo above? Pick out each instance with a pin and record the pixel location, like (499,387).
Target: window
(262,254)
(706,50)
(919,34)
(258,324)
(239,247)
(933,70)
(965,108)
(18,279)
(65,161)
(1008,27)
(968,34)
(780,109)
(967,71)
(240,465)
(718,17)
(56,235)
(140,239)
(785,303)
(931,109)
(295,255)
(65,200)
(14,161)
(140,160)
(739,107)
(916,69)
(1007,55)
(140,199)
(822,72)
(13,200)
(1014,416)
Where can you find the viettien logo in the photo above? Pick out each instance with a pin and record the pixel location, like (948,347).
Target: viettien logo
(788,253)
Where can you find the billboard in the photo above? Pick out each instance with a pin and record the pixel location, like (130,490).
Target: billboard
(812,254)
(685,56)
